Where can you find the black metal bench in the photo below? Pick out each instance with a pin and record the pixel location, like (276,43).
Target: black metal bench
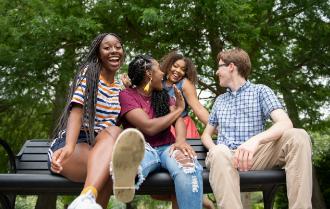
(30,176)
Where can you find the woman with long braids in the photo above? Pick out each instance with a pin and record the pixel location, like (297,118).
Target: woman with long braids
(86,132)
(148,108)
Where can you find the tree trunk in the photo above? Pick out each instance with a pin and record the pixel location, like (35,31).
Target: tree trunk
(62,87)
(246,200)
(317,197)
(291,107)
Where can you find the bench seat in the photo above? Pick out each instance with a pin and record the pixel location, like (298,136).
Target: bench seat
(32,177)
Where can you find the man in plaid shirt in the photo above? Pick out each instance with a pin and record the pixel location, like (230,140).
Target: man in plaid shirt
(239,115)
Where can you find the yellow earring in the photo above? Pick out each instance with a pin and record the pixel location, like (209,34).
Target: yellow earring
(146,89)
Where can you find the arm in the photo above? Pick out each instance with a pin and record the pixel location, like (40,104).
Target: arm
(281,122)
(72,133)
(245,152)
(152,126)
(180,131)
(189,91)
(180,141)
(207,136)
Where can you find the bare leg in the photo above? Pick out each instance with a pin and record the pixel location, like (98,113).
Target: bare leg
(105,193)
(98,170)
(75,168)
(92,164)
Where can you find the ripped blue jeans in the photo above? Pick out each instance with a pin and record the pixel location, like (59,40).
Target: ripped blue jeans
(185,172)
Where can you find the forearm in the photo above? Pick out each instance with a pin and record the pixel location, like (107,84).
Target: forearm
(202,114)
(273,133)
(73,126)
(207,137)
(155,125)
(180,130)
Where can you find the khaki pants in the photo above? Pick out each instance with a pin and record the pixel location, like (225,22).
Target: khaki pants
(291,152)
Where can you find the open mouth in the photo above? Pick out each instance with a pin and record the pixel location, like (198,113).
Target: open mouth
(114,60)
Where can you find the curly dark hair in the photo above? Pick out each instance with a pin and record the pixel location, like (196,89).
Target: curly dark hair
(90,70)
(136,72)
(168,60)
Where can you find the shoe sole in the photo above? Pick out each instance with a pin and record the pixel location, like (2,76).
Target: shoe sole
(127,155)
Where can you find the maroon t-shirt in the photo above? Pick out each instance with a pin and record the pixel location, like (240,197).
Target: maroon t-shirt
(130,99)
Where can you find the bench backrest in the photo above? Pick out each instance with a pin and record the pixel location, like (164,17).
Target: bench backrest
(33,157)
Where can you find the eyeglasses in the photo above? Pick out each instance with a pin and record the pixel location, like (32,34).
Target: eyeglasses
(222,65)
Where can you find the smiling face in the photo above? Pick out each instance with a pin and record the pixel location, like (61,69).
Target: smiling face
(177,71)
(156,76)
(223,73)
(111,53)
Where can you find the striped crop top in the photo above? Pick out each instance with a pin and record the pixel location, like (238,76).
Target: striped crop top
(107,105)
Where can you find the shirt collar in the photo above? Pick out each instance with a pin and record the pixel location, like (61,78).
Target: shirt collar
(240,89)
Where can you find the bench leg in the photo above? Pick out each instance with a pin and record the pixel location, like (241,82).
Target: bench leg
(46,202)
(7,201)
(268,194)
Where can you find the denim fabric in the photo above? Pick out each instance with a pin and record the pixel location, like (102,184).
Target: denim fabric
(59,142)
(188,185)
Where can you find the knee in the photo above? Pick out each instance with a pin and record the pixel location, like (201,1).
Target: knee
(298,137)
(186,163)
(221,153)
(114,131)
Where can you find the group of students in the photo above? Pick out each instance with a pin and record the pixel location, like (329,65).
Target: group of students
(152,109)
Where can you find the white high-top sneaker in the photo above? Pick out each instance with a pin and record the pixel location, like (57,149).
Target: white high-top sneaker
(85,201)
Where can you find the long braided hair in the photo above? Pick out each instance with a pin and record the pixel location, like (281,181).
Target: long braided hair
(136,72)
(90,70)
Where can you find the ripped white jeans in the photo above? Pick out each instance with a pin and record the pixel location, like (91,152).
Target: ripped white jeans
(185,172)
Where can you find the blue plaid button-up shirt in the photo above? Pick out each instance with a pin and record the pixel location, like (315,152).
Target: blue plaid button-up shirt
(242,114)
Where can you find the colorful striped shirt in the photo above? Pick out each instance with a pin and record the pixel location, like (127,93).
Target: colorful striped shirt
(107,105)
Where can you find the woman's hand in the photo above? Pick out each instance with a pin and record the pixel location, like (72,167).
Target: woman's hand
(59,157)
(179,100)
(126,81)
(184,147)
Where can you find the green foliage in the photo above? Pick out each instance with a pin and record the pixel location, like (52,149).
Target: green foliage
(321,160)
(42,42)
(145,201)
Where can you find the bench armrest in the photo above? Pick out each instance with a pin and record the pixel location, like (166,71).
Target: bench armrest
(11,155)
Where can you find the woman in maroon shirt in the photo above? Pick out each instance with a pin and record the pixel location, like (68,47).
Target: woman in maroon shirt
(147,107)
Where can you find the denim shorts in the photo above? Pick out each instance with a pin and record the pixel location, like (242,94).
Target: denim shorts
(59,143)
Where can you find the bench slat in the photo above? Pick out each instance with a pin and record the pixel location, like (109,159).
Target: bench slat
(34,157)
(35,150)
(38,143)
(31,165)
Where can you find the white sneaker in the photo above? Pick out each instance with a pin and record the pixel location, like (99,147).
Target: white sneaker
(85,201)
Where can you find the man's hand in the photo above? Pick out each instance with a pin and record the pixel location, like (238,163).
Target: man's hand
(244,154)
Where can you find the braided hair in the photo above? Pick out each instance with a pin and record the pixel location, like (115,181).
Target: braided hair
(137,69)
(90,70)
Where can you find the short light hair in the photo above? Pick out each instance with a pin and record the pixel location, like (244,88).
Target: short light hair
(238,57)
